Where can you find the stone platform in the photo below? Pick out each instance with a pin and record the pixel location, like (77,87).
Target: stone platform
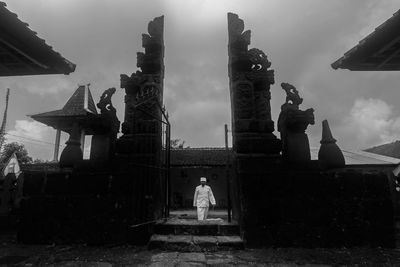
(188,235)
(192,214)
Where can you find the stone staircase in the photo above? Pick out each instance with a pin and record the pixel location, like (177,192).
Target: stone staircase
(188,235)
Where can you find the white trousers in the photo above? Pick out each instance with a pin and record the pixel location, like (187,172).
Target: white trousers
(202,213)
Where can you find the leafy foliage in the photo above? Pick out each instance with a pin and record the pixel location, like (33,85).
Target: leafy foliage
(39,161)
(20,151)
(178,143)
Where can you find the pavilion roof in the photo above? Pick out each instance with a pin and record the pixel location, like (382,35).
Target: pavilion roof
(22,52)
(379,51)
(80,104)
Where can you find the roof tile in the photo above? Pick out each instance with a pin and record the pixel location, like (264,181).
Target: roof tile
(357,57)
(24,41)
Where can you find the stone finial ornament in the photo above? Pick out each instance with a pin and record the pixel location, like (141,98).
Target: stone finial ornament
(105,105)
(329,151)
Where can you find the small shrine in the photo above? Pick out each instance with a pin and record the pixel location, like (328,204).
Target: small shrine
(78,118)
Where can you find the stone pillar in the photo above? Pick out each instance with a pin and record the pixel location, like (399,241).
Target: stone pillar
(100,148)
(57,145)
(83,140)
(256,148)
(250,80)
(141,141)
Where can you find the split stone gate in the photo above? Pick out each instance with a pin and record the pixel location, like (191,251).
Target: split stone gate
(279,195)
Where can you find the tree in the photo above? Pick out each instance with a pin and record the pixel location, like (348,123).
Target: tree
(178,143)
(20,151)
(40,161)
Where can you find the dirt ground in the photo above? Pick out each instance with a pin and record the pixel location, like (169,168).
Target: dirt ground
(14,254)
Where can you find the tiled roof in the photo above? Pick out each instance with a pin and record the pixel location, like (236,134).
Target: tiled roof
(218,157)
(389,150)
(378,51)
(22,52)
(359,157)
(79,104)
(199,157)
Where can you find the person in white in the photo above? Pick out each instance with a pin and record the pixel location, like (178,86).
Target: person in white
(202,198)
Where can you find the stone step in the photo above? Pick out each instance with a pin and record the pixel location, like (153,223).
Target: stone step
(194,227)
(190,243)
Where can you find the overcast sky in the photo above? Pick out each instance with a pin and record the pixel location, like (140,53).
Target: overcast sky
(301,39)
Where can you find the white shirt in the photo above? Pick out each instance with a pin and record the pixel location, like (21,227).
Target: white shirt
(203,196)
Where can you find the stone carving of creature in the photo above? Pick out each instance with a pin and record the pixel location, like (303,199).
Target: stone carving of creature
(292,95)
(292,124)
(105,104)
(107,111)
(259,60)
(291,117)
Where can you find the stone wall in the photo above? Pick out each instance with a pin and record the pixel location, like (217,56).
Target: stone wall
(93,207)
(315,208)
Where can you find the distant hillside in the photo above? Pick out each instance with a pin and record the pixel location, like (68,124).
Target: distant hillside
(390,150)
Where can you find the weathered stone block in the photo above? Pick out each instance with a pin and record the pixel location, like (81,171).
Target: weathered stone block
(57,183)
(100,148)
(376,184)
(297,148)
(321,209)
(257,143)
(253,125)
(33,183)
(255,163)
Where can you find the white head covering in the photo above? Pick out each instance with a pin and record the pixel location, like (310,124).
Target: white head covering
(203,179)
